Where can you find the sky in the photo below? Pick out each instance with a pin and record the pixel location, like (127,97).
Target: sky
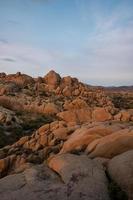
(88,39)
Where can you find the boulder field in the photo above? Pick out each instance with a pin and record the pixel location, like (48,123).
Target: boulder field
(85,153)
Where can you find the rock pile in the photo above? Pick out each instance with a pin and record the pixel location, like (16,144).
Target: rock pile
(87,147)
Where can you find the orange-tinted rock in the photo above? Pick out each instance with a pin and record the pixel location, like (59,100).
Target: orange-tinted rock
(76,92)
(54,125)
(118,116)
(52,79)
(20,79)
(84,136)
(67,91)
(4,163)
(67,81)
(101,115)
(22,141)
(44,129)
(51,109)
(125,116)
(78,116)
(112,145)
(61,133)
(76,104)
(43,140)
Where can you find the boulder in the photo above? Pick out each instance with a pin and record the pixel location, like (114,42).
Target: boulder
(52,79)
(111,145)
(120,170)
(61,133)
(77,116)
(125,116)
(40,182)
(44,128)
(67,91)
(101,115)
(6,164)
(76,172)
(50,109)
(83,137)
(67,81)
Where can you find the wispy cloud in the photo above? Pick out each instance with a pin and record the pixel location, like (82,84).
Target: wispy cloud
(28,58)
(3,41)
(8,59)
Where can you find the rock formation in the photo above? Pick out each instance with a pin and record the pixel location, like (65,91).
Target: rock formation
(75,147)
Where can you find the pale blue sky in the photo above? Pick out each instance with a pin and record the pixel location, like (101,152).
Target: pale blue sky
(88,39)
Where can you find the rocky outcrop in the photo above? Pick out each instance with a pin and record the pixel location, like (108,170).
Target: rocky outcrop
(124,115)
(82,142)
(83,137)
(61,137)
(20,79)
(41,182)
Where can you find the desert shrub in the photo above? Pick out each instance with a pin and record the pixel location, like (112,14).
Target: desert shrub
(30,123)
(122,102)
(35,124)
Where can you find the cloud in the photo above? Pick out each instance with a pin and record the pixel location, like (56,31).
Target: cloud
(106,56)
(3,41)
(28,59)
(8,59)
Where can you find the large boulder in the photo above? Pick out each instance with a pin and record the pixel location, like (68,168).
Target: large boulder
(77,116)
(111,145)
(76,172)
(40,182)
(84,136)
(101,114)
(120,169)
(52,79)
(67,81)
